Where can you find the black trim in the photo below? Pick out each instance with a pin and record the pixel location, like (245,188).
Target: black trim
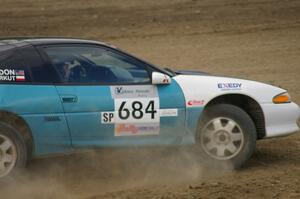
(39,42)
(188,72)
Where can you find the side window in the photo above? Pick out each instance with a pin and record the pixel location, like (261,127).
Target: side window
(40,71)
(86,64)
(12,68)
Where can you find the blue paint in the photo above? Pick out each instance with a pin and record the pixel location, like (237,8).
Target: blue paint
(78,124)
(170,97)
(130,141)
(33,103)
(84,115)
(193,116)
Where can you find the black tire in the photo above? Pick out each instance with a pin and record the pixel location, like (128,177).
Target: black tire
(242,137)
(17,148)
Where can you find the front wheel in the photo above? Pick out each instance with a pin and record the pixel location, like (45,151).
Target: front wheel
(226,135)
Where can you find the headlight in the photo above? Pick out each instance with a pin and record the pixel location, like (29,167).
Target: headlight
(282,98)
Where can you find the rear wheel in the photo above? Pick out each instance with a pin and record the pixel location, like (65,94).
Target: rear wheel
(13,152)
(226,135)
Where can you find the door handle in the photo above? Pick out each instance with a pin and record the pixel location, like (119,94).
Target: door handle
(69,99)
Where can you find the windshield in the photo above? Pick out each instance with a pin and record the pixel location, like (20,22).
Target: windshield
(170,72)
(167,71)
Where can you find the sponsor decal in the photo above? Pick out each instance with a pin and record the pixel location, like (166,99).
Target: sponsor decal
(136,129)
(119,91)
(142,91)
(230,86)
(168,112)
(166,79)
(195,103)
(12,75)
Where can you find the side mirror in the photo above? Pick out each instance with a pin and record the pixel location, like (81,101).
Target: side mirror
(160,78)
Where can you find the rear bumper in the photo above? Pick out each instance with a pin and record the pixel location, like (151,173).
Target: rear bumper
(281,119)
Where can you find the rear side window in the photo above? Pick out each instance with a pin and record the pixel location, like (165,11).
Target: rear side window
(12,68)
(41,72)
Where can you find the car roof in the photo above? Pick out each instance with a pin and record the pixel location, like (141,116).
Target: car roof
(23,41)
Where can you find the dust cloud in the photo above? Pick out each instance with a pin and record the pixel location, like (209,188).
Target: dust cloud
(98,172)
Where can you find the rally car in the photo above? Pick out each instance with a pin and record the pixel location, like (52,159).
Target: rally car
(59,95)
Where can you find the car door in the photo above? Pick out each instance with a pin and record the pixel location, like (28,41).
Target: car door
(109,100)
(26,89)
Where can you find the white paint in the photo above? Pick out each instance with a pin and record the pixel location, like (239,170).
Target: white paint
(280,119)
(160,78)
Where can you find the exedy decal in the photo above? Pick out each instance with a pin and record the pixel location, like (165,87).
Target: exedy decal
(12,75)
(230,86)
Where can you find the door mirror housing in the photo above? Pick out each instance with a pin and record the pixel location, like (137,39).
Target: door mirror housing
(160,78)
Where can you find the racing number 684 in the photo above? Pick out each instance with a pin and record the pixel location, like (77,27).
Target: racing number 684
(137,110)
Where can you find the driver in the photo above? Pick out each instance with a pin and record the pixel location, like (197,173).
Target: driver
(66,71)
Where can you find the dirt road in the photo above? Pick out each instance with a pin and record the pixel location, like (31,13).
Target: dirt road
(255,39)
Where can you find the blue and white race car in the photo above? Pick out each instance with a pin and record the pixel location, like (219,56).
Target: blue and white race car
(59,95)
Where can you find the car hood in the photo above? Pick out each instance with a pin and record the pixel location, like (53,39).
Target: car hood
(205,86)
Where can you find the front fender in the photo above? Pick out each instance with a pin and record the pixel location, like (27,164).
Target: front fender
(280,119)
(206,88)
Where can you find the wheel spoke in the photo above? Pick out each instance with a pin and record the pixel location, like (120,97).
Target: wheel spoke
(221,150)
(7,158)
(210,145)
(231,147)
(2,166)
(229,126)
(209,134)
(5,145)
(217,124)
(236,136)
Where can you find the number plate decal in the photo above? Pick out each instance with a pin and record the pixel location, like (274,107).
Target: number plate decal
(136,110)
(140,110)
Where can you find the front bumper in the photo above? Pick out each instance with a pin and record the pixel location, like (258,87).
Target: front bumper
(281,119)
